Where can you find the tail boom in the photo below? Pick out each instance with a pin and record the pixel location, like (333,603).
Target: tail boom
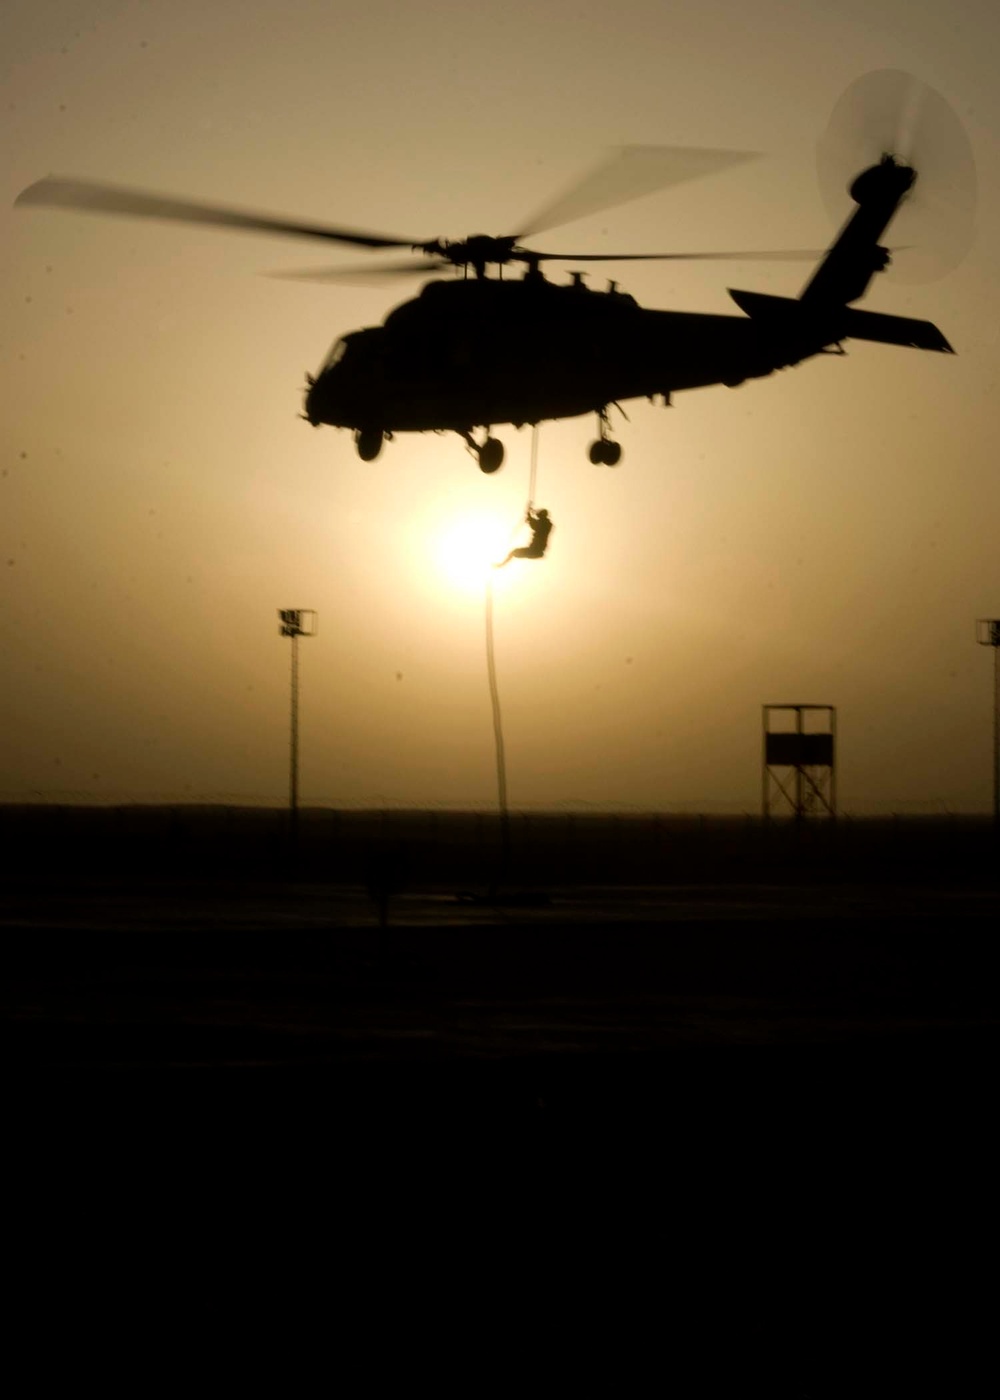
(856,255)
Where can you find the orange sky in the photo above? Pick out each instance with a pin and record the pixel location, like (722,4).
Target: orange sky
(824,535)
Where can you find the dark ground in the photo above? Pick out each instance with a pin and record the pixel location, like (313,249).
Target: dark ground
(513,1009)
(744,1127)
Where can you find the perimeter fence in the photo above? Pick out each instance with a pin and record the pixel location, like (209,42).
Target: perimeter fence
(51,842)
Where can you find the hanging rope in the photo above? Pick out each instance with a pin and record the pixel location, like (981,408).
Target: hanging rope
(534,464)
(491,668)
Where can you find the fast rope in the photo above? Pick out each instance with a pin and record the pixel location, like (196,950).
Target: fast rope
(534,464)
(491,669)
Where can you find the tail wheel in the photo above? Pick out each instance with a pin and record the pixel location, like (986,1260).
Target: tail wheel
(369,443)
(491,456)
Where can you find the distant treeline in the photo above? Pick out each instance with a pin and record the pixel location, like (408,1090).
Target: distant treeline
(419,848)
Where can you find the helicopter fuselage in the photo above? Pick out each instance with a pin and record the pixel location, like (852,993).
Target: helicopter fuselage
(485,351)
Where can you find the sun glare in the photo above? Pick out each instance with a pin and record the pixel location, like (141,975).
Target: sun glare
(467,548)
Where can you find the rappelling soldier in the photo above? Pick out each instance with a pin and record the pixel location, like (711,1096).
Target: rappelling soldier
(541,527)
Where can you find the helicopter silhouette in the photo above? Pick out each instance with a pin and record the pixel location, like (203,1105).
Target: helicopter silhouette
(473,351)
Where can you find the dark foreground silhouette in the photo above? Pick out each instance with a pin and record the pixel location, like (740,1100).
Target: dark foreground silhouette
(745,1115)
(166,937)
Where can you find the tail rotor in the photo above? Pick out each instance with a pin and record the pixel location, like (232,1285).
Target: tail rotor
(892,113)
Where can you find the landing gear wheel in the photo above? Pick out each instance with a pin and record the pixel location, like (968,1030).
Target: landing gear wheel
(369,443)
(491,455)
(605,453)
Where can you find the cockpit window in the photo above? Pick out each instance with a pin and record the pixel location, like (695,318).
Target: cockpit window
(336,355)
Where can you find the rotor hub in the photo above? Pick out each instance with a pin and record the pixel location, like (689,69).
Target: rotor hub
(478,251)
(889,179)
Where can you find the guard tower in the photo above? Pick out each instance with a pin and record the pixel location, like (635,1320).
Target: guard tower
(799,761)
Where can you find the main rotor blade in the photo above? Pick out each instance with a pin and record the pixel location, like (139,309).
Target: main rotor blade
(362,275)
(92,196)
(628,173)
(368,276)
(766,255)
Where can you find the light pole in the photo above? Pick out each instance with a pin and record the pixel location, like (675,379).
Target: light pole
(988,635)
(295,623)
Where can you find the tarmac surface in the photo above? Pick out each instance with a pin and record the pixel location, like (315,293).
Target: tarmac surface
(742,1136)
(285,975)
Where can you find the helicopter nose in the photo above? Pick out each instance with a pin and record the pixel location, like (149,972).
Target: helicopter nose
(312,404)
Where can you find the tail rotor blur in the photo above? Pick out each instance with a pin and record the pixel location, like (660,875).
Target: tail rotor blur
(890,112)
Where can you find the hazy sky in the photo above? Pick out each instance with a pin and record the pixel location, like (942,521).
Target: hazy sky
(828,534)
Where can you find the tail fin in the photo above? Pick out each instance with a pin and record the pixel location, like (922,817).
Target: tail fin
(823,314)
(854,258)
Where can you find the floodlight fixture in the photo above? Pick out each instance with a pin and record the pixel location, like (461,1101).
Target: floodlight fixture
(297,622)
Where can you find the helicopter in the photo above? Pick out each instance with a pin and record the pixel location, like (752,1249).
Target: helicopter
(475,350)
(484,350)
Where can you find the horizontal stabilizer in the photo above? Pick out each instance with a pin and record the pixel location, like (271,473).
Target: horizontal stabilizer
(834,323)
(767,308)
(895,330)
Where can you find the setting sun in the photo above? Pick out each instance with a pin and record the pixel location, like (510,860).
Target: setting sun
(468,546)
